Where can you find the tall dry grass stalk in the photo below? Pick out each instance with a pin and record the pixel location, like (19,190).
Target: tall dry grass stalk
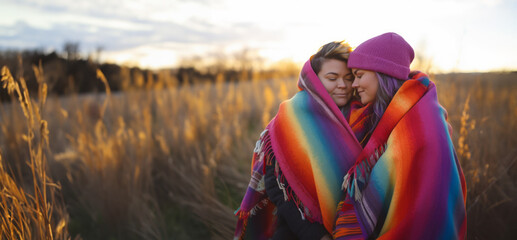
(467,125)
(31,207)
(164,160)
(482,111)
(131,163)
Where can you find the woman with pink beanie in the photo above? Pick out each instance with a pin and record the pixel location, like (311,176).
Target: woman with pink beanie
(407,182)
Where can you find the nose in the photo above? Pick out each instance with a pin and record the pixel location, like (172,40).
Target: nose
(355,84)
(341,83)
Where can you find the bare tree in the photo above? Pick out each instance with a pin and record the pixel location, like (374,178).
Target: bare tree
(98,51)
(71,50)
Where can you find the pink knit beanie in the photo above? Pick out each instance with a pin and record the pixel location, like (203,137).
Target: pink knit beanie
(388,53)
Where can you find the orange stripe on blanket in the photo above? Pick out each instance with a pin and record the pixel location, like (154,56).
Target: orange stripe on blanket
(343,232)
(347,220)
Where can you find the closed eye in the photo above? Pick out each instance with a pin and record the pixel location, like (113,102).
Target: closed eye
(357,74)
(349,77)
(331,76)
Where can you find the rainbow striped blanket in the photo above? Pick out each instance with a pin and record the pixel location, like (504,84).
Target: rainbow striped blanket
(314,147)
(407,182)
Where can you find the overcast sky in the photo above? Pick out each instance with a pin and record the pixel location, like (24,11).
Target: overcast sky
(460,35)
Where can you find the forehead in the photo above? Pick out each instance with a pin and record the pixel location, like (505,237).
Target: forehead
(334,65)
(332,61)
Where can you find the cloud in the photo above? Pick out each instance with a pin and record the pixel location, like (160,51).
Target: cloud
(121,9)
(283,29)
(50,24)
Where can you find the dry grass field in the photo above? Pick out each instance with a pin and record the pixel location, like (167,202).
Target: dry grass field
(172,162)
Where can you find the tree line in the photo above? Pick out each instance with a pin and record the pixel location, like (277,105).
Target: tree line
(67,72)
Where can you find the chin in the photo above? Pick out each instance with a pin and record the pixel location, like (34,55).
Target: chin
(341,102)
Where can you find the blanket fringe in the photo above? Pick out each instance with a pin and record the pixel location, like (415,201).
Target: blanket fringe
(264,152)
(263,148)
(290,195)
(244,225)
(356,178)
(244,217)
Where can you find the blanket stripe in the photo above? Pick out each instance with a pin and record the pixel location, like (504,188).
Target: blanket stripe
(314,146)
(407,182)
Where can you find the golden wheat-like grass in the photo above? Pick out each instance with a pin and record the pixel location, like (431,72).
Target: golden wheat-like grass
(124,160)
(30,207)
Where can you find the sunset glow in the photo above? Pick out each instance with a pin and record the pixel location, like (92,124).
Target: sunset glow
(157,34)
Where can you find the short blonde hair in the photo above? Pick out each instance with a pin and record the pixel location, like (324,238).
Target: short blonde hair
(332,50)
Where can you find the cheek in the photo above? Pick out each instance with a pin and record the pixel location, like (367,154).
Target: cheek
(375,85)
(348,87)
(371,84)
(329,86)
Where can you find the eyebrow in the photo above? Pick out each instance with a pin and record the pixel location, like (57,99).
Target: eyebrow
(355,72)
(331,73)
